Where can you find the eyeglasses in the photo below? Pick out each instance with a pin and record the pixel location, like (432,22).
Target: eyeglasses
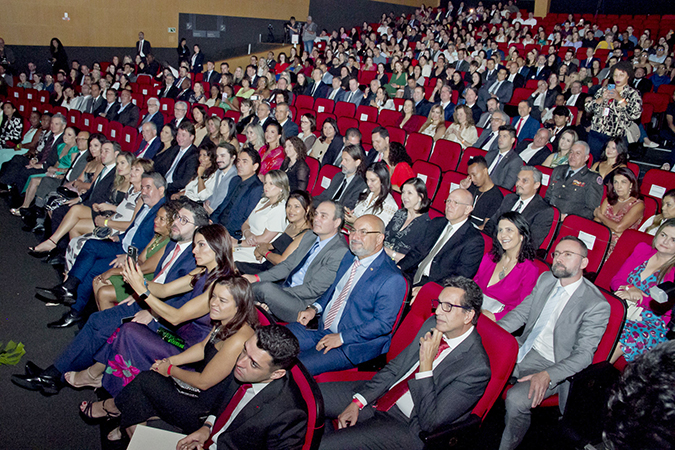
(565,255)
(362,233)
(183,220)
(453,202)
(447,307)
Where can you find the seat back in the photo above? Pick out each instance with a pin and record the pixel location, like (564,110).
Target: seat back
(554,228)
(314,167)
(216,111)
(446,154)
(450,182)
(128,139)
(469,153)
(345,123)
(326,175)
(366,129)
(656,182)
(419,146)
(311,394)
(100,125)
(617,318)
(502,350)
(166,106)
(624,248)
(595,235)
(323,105)
(429,173)
(546,173)
(420,311)
(304,101)
(388,118)
(651,207)
(86,121)
(345,109)
(114,131)
(366,113)
(396,134)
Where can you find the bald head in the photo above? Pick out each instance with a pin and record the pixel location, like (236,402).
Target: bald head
(458,206)
(367,237)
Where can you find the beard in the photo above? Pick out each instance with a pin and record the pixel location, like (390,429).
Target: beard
(560,271)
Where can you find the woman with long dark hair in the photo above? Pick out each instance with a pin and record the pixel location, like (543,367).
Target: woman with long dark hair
(407,228)
(59,57)
(377,199)
(614,155)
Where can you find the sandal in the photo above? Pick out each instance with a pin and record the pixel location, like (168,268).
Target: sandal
(41,254)
(15,212)
(115,435)
(86,413)
(95,381)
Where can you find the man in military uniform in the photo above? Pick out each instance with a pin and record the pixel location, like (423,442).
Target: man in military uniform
(574,188)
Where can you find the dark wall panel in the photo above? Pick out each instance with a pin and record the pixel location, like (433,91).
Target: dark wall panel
(613,7)
(330,14)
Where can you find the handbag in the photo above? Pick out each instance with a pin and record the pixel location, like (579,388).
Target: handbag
(185,389)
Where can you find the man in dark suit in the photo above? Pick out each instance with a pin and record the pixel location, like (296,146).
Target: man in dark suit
(516,79)
(489,138)
(422,105)
(143,47)
(318,89)
(307,272)
(211,76)
(336,93)
(526,201)
(358,312)
(540,71)
(97,99)
(274,414)
(97,256)
(453,246)
(588,62)
(451,372)
(490,73)
(176,262)
(244,193)
(499,88)
(576,97)
(127,113)
(535,152)
(346,186)
(150,144)
(446,102)
(109,108)
(549,355)
(471,100)
(170,90)
(154,115)
(288,127)
(642,84)
(526,126)
(461,65)
(504,163)
(185,162)
(264,117)
(491,105)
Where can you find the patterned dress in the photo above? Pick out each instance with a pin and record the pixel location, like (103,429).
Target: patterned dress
(271,159)
(617,216)
(640,336)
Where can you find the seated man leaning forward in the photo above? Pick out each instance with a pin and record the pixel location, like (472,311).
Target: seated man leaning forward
(307,272)
(435,381)
(354,328)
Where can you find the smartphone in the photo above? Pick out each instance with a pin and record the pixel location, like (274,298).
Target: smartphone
(127,319)
(133,253)
(611,87)
(254,97)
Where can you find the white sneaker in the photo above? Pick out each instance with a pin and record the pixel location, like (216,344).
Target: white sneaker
(652,144)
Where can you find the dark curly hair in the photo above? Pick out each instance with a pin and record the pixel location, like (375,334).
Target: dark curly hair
(473,296)
(527,250)
(280,343)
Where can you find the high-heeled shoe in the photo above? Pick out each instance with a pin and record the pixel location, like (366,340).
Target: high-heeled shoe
(37,254)
(15,212)
(86,413)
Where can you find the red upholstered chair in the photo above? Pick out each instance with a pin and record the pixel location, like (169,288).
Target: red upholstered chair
(99,125)
(264,317)
(31,95)
(73,117)
(311,394)
(396,134)
(344,109)
(429,173)
(128,139)
(388,118)
(345,123)
(589,232)
(323,180)
(552,232)
(114,131)
(656,182)
(166,106)
(314,167)
(304,102)
(235,115)
(43,96)
(469,153)
(86,121)
(545,179)
(651,207)
(216,111)
(366,129)
(323,105)
(366,113)
(450,181)
(419,146)
(624,248)
(446,154)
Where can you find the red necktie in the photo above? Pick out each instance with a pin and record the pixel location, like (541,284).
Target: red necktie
(520,124)
(142,152)
(225,416)
(390,398)
(173,256)
(335,308)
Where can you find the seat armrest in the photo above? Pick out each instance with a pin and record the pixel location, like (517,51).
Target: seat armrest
(455,436)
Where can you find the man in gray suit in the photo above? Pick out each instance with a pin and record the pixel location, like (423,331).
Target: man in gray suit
(434,381)
(565,317)
(504,163)
(355,95)
(499,88)
(309,271)
(489,138)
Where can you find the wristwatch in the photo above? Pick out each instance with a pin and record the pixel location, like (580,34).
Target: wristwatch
(143,296)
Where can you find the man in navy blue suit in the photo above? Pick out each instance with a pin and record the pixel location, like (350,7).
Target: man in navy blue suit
(354,328)
(526,126)
(154,115)
(422,105)
(176,262)
(150,144)
(318,89)
(446,102)
(96,257)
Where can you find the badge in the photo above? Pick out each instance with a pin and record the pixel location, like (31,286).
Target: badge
(578,183)
(605,112)
(600,181)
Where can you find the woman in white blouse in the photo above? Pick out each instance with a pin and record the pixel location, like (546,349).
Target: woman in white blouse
(377,199)
(463,131)
(268,219)
(201,186)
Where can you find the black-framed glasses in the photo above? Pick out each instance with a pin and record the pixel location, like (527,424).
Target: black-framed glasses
(566,254)
(182,219)
(362,233)
(446,306)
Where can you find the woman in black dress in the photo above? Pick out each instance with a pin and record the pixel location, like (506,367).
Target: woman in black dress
(164,157)
(59,57)
(294,164)
(408,227)
(183,52)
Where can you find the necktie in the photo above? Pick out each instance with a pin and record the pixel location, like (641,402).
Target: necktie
(142,152)
(316,85)
(175,254)
(570,172)
(332,314)
(519,126)
(390,398)
(340,190)
(349,99)
(99,178)
(499,158)
(300,265)
(442,240)
(225,416)
(543,319)
(519,206)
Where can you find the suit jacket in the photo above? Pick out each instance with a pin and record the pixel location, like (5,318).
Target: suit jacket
(185,170)
(350,195)
(290,128)
(145,229)
(320,273)
(538,157)
(529,128)
(96,105)
(423,107)
(339,96)
(276,418)
(128,116)
(112,111)
(448,111)
(77,167)
(484,137)
(538,213)
(183,265)
(505,173)
(518,81)
(212,77)
(504,93)
(587,63)
(461,66)
(267,121)
(321,91)
(543,73)
(333,151)
(171,93)
(643,85)
(147,48)
(448,396)
(157,119)
(579,195)
(461,255)
(99,193)
(152,150)
(239,203)
(353,97)
(577,332)
(198,65)
(370,311)
(581,100)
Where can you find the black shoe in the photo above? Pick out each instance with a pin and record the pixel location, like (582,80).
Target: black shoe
(38,229)
(68,320)
(48,254)
(58,294)
(33,369)
(56,260)
(46,384)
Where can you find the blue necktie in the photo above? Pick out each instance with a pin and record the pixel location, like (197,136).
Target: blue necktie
(543,319)
(297,268)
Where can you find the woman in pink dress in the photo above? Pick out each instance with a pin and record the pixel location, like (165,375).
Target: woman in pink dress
(272,153)
(622,209)
(507,273)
